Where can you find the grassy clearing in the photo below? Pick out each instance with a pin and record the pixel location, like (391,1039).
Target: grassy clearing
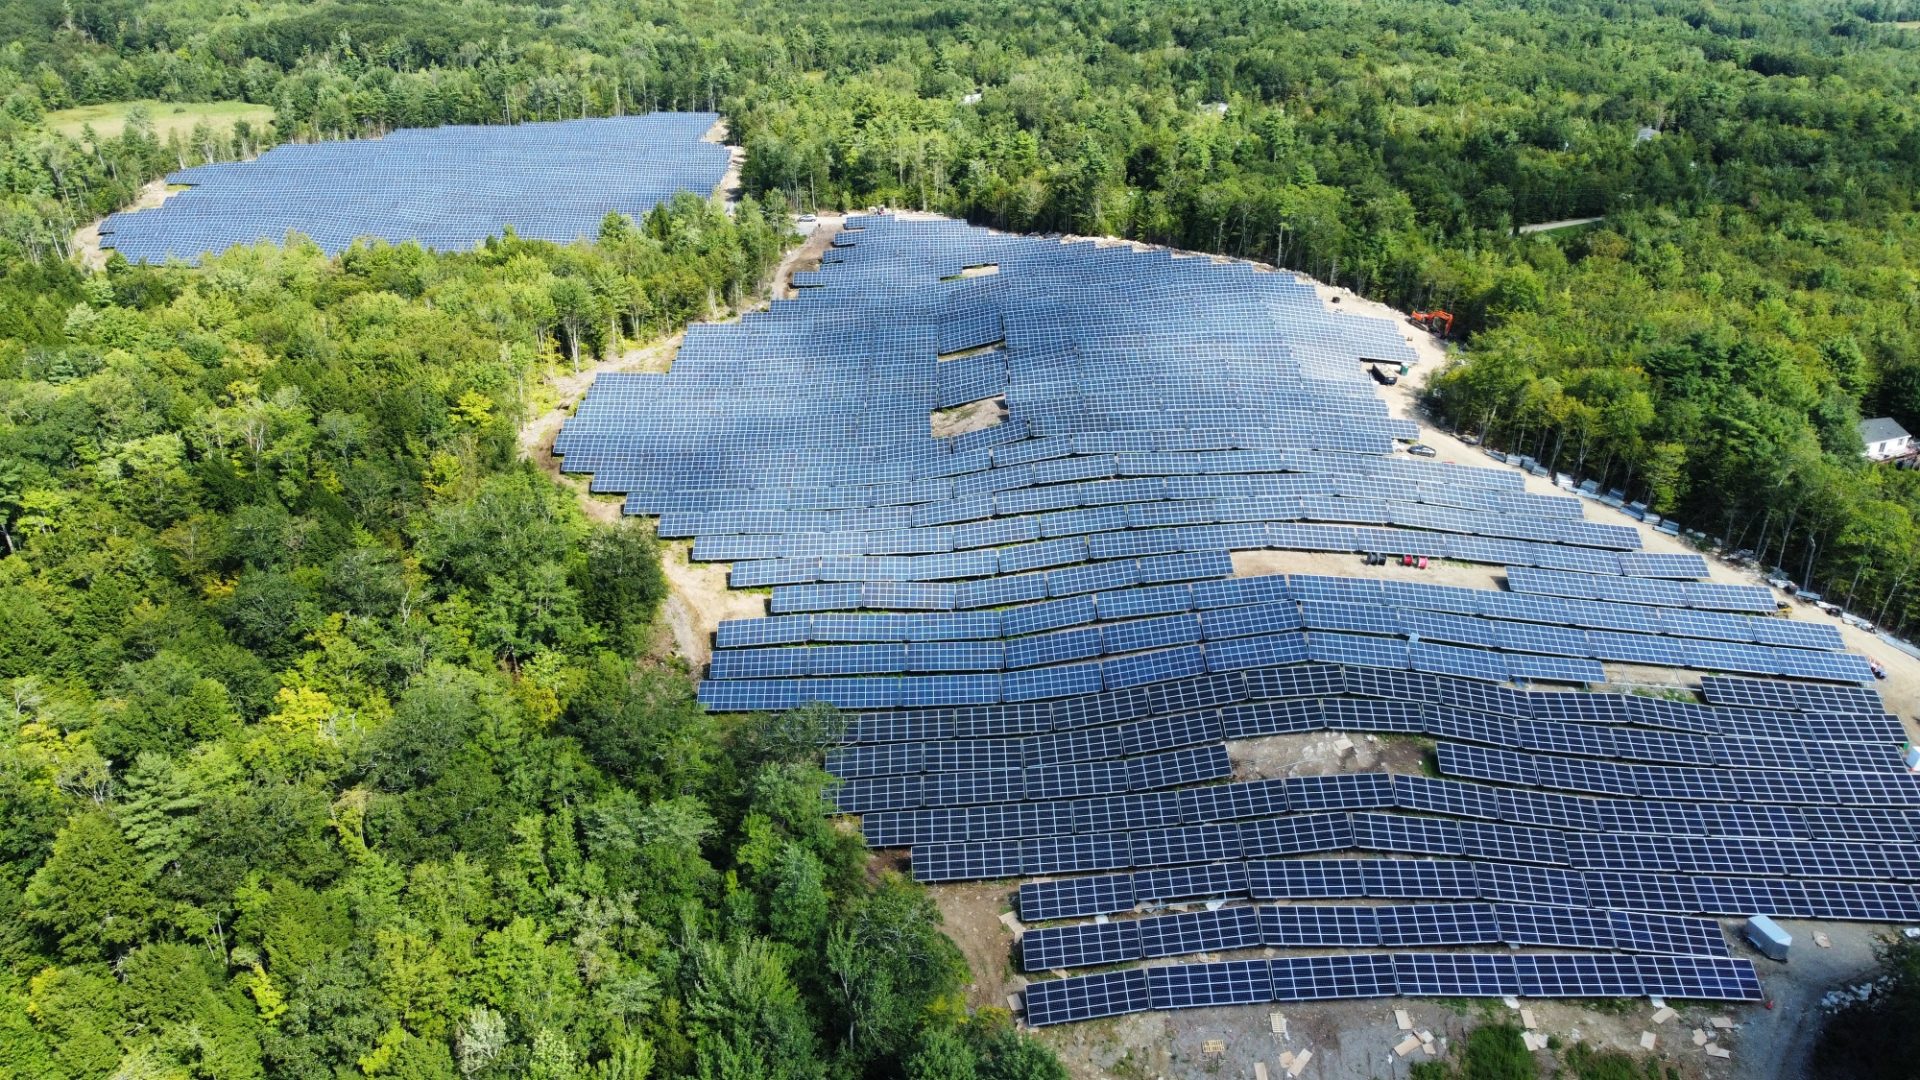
(168,117)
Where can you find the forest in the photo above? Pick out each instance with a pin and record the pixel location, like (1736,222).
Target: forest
(341,741)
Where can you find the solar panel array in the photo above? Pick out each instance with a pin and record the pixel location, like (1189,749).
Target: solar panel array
(447,188)
(1045,653)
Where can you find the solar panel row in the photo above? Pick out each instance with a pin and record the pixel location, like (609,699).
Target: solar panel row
(1434,879)
(1322,978)
(1297,926)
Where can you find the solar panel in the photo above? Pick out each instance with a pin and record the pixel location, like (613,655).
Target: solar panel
(1636,931)
(1182,986)
(1297,834)
(1455,975)
(1227,802)
(1191,883)
(1323,978)
(1564,927)
(1080,945)
(1202,931)
(1700,978)
(1306,879)
(1044,901)
(1176,767)
(1076,854)
(1561,975)
(970,861)
(1086,997)
(1294,926)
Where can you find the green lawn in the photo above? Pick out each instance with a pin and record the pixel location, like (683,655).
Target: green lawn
(168,117)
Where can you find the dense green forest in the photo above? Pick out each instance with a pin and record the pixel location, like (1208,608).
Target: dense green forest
(340,743)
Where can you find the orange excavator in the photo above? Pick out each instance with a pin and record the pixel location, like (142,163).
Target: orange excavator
(1438,323)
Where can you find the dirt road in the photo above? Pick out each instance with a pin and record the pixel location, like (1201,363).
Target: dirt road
(86,242)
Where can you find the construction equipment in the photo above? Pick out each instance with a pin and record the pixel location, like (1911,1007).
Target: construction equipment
(1437,322)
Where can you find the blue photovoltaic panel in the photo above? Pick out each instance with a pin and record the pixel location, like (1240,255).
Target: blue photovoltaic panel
(1080,945)
(1191,883)
(1201,931)
(1086,997)
(1305,926)
(1073,898)
(1323,978)
(1185,986)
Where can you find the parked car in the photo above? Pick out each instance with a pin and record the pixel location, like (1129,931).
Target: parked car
(1879,669)
(1422,450)
(1382,377)
(1470,440)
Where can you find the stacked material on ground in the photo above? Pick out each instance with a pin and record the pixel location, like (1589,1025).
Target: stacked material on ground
(446,188)
(1051,669)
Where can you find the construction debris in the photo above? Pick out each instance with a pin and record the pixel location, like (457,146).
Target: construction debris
(1526,1019)
(1699,1037)
(1647,1040)
(1407,1045)
(1822,940)
(1718,1051)
(1534,1040)
(1400,1017)
(1300,1063)
(1665,1014)
(1279,1023)
(1213,1048)
(1721,1022)
(1259,1070)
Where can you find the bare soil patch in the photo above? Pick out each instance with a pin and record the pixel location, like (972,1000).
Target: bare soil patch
(729,188)
(86,241)
(972,913)
(698,599)
(1347,564)
(808,255)
(973,416)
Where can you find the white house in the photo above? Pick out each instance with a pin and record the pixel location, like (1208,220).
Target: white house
(1885,439)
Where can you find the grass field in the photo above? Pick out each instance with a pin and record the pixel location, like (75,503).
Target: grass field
(168,117)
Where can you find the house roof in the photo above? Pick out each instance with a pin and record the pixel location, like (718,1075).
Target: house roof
(1881,429)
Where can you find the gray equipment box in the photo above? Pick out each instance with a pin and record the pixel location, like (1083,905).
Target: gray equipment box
(1765,934)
